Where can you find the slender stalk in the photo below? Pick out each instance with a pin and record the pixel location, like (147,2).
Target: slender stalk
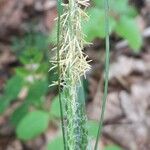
(59,10)
(104,99)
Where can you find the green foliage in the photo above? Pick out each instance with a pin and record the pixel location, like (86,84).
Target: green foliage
(13,87)
(95,27)
(92,128)
(31,54)
(122,22)
(37,91)
(98,3)
(4,102)
(19,113)
(56,144)
(11,92)
(34,39)
(53,36)
(112,147)
(55,108)
(32,125)
(126,28)
(31,74)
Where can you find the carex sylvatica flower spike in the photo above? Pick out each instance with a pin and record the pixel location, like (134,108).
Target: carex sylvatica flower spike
(73,65)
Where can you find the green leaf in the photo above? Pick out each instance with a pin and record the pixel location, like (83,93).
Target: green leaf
(37,91)
(33,39)
(32,125)
(53,35)
(98,3)
(40,41)
(92,128)
(80,94)
(112,147)
(128,29)
(13,87)
(121,6)
(31,55)
(55,107)
(95,26)
(19,113)
(42,68)
(22,72)
(4,102)
(86,88)
(131,12)
(56,144)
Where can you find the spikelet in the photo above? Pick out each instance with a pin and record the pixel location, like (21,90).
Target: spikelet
(72,42)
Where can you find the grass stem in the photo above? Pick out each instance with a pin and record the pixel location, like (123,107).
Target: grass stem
(59,10)
(104,99)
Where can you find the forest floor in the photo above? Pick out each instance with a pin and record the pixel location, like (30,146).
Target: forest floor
(127,121)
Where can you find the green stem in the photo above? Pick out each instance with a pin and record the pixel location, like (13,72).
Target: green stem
(72,65)
(59,9)
(75,126)
(104,99)
(76,120)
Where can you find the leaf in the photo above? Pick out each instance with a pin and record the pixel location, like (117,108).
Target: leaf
(128,29)
(31,55)
(121,7)
(80,93)
(86,88)
(55,107)
(112,147)
(19,113)
(53,35)
(36,91)
(92,128)
(98,3)
(22,72)
(40,41)
(4,102)
(95,26)
(32,125)
(42,68)
(13,87)
(34,39)
(56,144)
(131,12)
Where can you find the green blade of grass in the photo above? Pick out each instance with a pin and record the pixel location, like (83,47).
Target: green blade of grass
(104,99)
(59,10)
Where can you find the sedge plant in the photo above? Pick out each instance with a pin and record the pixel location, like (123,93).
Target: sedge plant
(71,63)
